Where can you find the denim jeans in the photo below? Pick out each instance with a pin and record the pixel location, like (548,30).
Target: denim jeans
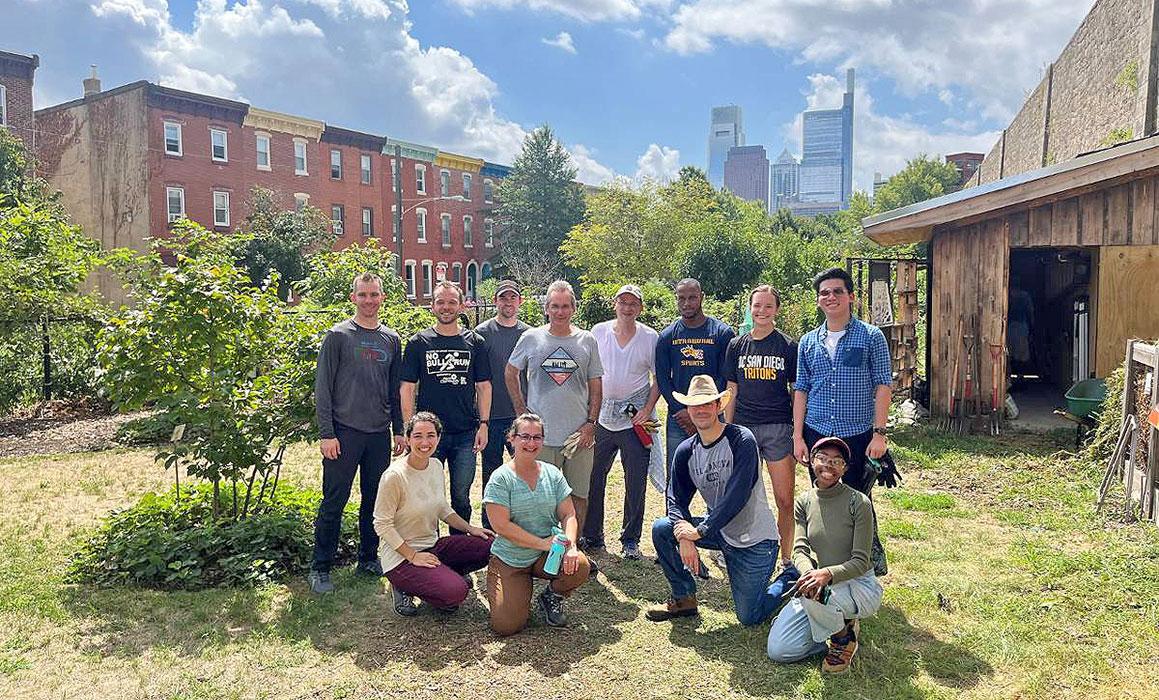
(673,436)
(493,453)
(457,450)
(366,454)
(749,570)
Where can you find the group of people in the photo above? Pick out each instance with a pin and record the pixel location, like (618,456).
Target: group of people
(562,403)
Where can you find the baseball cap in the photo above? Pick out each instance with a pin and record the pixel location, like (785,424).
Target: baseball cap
(506,286)
(630,289)
(834,442)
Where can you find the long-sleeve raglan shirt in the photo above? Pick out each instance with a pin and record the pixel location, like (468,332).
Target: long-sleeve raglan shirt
(683,352)
(357,383)
(727,474)
(834,532)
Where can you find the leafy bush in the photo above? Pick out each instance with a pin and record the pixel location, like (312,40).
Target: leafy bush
(168,542)
(598,304)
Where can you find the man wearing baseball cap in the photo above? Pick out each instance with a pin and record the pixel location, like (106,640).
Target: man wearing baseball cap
(719,461)
(628,354)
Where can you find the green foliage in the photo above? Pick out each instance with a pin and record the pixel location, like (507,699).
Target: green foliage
(1110,418)
(922,178)
(598,304)
(1128,78)
(530,311)
(170,542)
(1116,136)
(727,253)
(280,239)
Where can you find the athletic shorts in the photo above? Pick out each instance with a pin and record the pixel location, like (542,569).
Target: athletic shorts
(774,440)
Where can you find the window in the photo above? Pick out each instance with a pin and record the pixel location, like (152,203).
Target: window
(446,219)
(427,278)
(367,221)
(301,200)
(338,216)
(221,208)
(300,157)
(410,279)
(488,233)
(218,145)
(335,164)
(393,173)
(364,162)
(394,222)
(263,151)
(3,106)
(468,236)
(444,183)
(173,139)
(421,178)
(457,273)
(488,191)
(470,289)
(175,199)
(466,185)
(421,215)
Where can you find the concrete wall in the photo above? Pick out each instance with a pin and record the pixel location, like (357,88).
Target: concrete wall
(1095,94)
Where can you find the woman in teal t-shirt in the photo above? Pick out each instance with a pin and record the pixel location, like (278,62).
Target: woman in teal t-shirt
(525,499)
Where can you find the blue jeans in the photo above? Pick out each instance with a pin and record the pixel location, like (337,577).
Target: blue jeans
(493,453)
(749,570)
(457,450)
(673,436)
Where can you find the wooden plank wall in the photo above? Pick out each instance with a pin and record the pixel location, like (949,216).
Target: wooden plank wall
(1124,214)
(971,273)
(1127,279)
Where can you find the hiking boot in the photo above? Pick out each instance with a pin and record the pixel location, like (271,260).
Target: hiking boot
(632,551)
(403,604)
(320,582)
(842,647)
(675,607)
(369,568)
(551,603)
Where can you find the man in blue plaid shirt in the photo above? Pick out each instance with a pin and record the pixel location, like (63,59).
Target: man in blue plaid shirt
(844,381)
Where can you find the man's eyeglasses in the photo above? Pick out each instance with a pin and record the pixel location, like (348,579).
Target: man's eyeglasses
(528,437)
(840,291)
(827,461)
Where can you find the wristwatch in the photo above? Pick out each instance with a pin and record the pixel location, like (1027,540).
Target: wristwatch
(590,421)
(881,431)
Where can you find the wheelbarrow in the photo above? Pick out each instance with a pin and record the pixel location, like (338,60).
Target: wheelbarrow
(1083,401)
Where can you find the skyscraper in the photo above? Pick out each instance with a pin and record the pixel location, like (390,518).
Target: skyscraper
(783,187)
(726,131)
(827,161)
(746,173)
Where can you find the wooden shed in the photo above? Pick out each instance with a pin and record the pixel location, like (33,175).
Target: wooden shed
(1064,259)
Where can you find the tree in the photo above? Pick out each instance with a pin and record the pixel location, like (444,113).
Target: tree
(922,178)
(540,201)
(280,239)
(727,255)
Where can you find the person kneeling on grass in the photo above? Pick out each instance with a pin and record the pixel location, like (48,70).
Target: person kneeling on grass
(525,498)
(837,587)
(407,511)
(721,462)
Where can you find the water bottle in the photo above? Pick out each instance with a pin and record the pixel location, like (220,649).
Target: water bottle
(559,545)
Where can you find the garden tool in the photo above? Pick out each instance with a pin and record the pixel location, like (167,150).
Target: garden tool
(952,387)
(969,341)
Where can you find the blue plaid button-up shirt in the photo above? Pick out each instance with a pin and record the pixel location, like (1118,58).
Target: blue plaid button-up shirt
(841,389)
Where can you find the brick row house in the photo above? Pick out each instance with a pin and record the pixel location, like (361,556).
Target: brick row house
(17,72)
(133,159)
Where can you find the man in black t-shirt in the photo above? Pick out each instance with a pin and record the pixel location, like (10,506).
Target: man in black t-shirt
(759,367)
(450,367)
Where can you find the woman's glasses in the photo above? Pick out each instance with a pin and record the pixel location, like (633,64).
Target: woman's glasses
(528,437)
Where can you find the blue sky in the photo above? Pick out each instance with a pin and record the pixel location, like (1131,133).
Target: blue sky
(626,84)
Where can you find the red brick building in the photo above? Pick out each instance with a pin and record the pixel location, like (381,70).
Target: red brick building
(132,159)
(968,164)
(17,73)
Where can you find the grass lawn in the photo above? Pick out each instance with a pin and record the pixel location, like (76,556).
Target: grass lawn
(1003,583)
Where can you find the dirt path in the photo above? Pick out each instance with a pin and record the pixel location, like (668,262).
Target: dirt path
(56,429)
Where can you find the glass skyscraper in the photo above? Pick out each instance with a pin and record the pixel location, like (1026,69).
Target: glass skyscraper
(826,171)
(725,132)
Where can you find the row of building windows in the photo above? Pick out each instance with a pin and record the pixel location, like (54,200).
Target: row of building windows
(175,205)
(219,153)
(454,274)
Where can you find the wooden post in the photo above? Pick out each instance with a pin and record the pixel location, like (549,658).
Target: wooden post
(1128,379)
(46,350)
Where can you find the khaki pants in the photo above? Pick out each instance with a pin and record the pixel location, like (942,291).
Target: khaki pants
(509,590)
(577,469)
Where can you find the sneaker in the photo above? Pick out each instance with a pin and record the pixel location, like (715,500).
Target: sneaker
(675,607)
(842,647)
(632,551)
(468,580)
(403,604)
(593,568)
(320,582)
(585,545)
(702,571)
(369,568)
(551,603)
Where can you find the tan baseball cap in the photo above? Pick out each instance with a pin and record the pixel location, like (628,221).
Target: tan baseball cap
(631,289)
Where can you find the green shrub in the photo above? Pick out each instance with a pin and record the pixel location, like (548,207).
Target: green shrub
(167,542)
(598,304)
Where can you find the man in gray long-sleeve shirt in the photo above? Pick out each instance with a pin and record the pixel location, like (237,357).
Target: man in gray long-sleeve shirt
(356,393)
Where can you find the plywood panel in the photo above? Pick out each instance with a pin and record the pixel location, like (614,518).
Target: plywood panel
(1091,210)
(1064,226)
(1143,212)
(1019,229)
(1040,220)
(1118,215)
(1127,305)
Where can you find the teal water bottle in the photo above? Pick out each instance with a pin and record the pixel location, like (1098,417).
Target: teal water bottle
(559,545)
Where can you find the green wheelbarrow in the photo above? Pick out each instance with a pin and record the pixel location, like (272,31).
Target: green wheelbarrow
(1083,400)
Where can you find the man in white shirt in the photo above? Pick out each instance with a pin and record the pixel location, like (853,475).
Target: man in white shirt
(628,355)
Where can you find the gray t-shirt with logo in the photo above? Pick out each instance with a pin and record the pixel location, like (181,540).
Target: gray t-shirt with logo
(558,369)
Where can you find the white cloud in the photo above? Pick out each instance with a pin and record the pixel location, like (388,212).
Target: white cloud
(992,50)
(658,163)
(637,34)
(584,10)
(883,143)
(562,41)
(589,170)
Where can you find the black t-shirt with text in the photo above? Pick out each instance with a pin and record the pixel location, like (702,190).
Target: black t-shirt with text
(762,370)
(446,369)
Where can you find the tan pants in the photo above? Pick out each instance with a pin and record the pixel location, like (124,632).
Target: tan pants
(509,590)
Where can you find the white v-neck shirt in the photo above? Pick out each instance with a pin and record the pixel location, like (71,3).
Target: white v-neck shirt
(627,369)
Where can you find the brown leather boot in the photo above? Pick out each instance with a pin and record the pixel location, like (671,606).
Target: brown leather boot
(675,607)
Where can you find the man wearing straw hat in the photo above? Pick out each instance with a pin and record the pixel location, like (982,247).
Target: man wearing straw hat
(719,461)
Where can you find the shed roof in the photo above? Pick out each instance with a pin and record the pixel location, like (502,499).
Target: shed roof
(1089,171)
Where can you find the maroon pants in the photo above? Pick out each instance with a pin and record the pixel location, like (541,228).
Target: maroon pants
(443,585)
